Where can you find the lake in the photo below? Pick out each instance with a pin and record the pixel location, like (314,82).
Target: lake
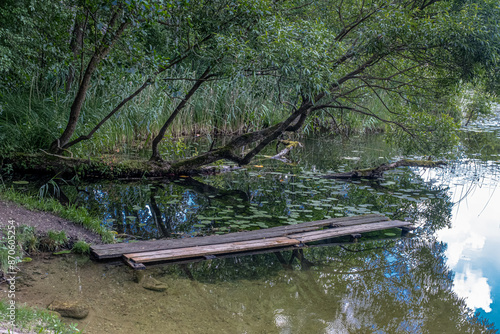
(443,278)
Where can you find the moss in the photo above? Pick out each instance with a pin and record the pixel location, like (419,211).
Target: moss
(291,143)
(102,167)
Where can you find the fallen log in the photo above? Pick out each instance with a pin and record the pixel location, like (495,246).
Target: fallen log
(378,172)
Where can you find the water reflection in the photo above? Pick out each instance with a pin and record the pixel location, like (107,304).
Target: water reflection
(474,234)
(431,282)
(260,198)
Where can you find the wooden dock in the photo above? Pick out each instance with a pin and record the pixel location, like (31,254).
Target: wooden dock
(274,239)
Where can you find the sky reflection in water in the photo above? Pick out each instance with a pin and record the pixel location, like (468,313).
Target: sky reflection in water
(472,241)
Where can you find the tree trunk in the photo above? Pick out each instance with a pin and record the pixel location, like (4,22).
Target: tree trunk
(155,156)
(75,47)
(146,83)
(289,145)
(100,53)
(263,137)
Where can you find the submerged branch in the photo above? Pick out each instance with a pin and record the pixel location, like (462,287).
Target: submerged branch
(377,172)
(289,145)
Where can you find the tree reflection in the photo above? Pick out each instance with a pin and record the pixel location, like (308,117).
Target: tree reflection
(401,286)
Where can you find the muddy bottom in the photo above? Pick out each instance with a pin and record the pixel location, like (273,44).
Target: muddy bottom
(358,292)
(120,305)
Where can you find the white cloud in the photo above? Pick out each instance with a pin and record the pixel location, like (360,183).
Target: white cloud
(471,285)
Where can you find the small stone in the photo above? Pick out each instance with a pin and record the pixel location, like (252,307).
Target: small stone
(71,309)
(153,284)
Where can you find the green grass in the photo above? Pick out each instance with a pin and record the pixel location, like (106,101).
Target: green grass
(81,247)
(73,213)
(55,240)
(25,241)
(35,319)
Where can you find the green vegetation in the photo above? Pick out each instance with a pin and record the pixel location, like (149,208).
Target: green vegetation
(25,242)
(81,247)
(140,73)
(29,123)
(73,213)
(36,319)
(55,240)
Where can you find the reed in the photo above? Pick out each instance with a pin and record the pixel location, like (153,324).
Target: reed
(32,119)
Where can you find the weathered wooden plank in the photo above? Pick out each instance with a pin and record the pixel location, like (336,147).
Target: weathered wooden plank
(228,255)
(346,230)
(171,254)
(116,250)
(254,252)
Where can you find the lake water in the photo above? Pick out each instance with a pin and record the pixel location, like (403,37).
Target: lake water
(443,278)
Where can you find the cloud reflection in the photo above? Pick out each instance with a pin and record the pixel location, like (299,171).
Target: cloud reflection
(475,225)
(471,285)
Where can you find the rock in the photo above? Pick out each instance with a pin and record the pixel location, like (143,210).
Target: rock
(71,308)
(139,275)
(153,284)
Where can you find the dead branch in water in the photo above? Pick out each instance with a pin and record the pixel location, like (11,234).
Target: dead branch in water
(289,145)
(377,172)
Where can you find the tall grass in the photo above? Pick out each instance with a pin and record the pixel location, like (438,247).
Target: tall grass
(32,119)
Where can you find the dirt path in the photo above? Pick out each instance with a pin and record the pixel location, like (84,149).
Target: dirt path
(43,222)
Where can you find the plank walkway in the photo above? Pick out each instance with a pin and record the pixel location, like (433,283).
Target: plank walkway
(275,238)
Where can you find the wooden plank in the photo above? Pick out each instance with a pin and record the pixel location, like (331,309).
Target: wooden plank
(287,228)
(229,255)
(196,254)
(346,230)
(171,254)
(110,251)
(255,252)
